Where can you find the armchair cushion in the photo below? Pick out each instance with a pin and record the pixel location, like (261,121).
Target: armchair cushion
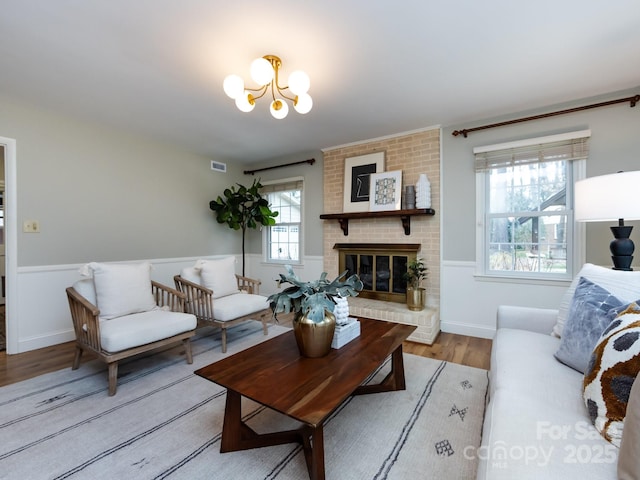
(87,289)
(137,329)
(238,305)
(122,289)
(192,274)
(219,276)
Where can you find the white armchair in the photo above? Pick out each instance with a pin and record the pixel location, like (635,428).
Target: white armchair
(216,295)
(121,312)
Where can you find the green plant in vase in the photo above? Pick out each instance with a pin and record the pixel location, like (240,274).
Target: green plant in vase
(416,272)
(313,303)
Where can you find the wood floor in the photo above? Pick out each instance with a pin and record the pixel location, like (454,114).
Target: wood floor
(471,351)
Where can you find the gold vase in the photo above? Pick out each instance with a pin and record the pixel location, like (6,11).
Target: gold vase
(416,298)
(314,339)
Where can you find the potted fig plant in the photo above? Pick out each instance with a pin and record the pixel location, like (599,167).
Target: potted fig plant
(242,208)
(415,274)
(312,304)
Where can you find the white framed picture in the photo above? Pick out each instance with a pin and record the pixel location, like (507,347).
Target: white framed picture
(385,191)
(357,171)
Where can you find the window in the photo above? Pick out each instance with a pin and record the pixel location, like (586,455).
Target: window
(283,240)
(525,206)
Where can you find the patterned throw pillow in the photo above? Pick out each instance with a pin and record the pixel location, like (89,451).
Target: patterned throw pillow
(612,370)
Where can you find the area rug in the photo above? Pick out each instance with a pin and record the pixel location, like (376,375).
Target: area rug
(165,422)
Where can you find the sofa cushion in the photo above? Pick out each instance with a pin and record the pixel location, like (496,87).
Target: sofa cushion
(122,289)
(219,276)
(589,315)
(628,464)
(524,438)
(523,361)
(137,329)
(238,305)
(612,370)
(624,285)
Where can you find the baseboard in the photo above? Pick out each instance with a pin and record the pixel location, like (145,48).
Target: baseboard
(42,341)
(467,329)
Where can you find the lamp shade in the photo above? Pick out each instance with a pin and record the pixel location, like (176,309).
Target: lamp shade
(608,197)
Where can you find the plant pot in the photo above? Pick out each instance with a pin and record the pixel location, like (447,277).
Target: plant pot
(416,298)
(314,339)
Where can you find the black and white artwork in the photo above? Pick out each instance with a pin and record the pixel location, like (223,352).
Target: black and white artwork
(357,174)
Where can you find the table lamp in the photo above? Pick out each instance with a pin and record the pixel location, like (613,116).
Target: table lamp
(611,197)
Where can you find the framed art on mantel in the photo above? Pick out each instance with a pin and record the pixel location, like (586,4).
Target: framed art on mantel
(357,171)
(385,191)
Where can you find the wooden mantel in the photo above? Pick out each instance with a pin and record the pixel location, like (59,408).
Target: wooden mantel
(405,217)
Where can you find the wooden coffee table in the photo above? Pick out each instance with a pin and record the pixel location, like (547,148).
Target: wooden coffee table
(274,374)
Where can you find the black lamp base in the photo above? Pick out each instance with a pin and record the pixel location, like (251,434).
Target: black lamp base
(622,247)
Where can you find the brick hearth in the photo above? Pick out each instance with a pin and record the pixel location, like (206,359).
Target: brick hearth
(427,320)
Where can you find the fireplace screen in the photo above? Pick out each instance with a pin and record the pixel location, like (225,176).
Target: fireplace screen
(381,268)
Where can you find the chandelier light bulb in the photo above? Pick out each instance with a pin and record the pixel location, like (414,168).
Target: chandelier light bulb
(233,86)
(245,102)
(303,103)
(299,82)
(279,109)
(262,71)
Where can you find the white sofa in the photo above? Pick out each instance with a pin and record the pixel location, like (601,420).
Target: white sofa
(536,424)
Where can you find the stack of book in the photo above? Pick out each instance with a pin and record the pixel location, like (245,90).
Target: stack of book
(345,332)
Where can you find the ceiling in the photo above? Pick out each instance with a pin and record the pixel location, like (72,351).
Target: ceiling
(156,67)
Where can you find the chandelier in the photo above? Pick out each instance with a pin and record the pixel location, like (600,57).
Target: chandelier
(264,71)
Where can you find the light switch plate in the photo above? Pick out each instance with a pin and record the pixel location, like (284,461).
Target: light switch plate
(31,226)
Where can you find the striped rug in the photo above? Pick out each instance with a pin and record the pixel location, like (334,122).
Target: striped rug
(165,422)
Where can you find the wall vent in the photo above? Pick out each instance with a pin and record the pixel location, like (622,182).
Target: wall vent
(218,166)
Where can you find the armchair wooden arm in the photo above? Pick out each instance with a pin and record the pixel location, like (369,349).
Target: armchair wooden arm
(250,285)
(198,299)
(167,296)
(86,323)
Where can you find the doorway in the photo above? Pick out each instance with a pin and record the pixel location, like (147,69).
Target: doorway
(10,242)
(3,328)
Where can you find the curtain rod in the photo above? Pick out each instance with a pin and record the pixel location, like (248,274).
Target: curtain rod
(311,161)
(632,100)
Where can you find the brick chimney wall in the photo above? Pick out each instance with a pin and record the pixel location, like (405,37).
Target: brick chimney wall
(414,154)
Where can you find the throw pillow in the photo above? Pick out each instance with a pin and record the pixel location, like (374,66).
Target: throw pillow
(122,289)
(624,285)
(219,276)
(586,320)
(612,370)
(628,464)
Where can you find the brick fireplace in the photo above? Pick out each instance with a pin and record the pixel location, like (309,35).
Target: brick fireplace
(413,153)
(380,266)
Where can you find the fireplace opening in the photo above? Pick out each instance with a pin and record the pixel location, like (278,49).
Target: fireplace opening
(380,266)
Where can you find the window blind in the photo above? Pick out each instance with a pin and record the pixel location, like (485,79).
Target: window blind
(549,151)
(281,187)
